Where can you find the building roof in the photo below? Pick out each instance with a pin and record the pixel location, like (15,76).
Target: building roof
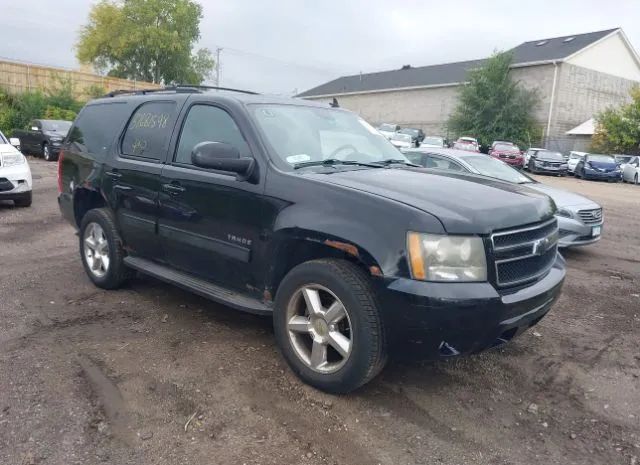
(528,53)
(585,129)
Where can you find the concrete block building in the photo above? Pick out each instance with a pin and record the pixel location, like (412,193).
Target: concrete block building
(576,77)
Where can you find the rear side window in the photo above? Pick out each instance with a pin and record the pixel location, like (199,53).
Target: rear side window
(96,127)
(148,132)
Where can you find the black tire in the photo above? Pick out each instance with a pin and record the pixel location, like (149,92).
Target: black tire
(117,273)
(25,201)
(353,287)
(635,179)
(532,168)
(46,152)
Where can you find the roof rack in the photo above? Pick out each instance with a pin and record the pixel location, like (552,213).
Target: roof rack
(180,88)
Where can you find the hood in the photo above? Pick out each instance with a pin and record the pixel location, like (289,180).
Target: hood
(58,134)
(6,149)
(464,204)
(548,158)
(563,198)
(603,165)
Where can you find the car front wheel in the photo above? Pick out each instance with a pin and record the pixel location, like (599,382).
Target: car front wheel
(46,152)
(328,326)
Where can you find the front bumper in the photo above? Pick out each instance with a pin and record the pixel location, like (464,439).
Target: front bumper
(574,232)
(15,181)
(610,176)
(550,169)
(435,320)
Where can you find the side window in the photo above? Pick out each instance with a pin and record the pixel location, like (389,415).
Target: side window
(206,123)
(96,127)
(148,132)
(443,164)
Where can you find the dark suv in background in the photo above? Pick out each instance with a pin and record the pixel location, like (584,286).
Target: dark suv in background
(43,137)
(307,213)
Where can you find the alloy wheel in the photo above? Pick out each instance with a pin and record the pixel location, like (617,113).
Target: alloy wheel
(319,328)
(96,250)
(46,153)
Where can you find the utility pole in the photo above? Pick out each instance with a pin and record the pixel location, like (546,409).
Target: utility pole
(218,50)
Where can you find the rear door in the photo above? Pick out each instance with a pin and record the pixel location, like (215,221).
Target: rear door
(210,222)
(132,174)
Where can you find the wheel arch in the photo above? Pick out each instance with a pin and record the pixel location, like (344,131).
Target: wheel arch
(84,200)
(292,247)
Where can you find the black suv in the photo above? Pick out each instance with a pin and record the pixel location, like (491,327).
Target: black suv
(291,208)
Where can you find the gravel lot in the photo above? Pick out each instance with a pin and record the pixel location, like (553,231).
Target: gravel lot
(153,375)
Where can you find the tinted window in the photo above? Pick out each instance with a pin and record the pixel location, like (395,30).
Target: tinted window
(488,166)
(149,129)
(56,125)
(550,155)
(206,123)
(96,127)
(507,147)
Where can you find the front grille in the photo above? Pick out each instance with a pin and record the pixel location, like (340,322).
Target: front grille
(552,164)
(593,216)
(524,254)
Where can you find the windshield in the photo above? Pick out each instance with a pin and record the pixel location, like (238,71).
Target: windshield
(439,141)
(507,147)
(602,158)
(3,139)
(301,134)
(387,128)
(401,137)
(550,155)
(58,126)
(493,168)
(411,132)
(623,158)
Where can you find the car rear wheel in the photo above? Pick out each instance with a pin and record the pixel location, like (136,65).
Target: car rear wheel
(328,326)
(101,250)
(635,179)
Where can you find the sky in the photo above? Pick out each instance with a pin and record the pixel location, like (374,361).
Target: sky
(288,46)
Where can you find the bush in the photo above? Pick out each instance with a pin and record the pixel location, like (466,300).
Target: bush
(17,110)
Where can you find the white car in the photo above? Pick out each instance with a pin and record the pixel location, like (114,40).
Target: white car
(528,153)
(574,158)
(402,141)
(388,130)
(433,142)
(15,174)
(631,171)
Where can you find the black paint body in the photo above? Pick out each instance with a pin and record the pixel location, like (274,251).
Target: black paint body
(246,235)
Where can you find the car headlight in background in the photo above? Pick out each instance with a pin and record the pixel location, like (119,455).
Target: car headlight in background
(435,257)
(564,212)
(12,159)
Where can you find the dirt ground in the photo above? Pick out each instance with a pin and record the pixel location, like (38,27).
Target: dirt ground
(153,375)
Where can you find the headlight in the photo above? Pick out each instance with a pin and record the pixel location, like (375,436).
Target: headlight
(12,159)
(435,257)
(564,212)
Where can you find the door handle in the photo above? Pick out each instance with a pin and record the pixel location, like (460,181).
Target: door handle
(113,174)
(173,189)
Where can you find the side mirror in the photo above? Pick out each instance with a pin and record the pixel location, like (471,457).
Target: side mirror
(35,128)
(222,157)
(15,142)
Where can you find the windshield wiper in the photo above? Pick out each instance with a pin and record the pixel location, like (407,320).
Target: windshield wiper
(333,162)
(392,161)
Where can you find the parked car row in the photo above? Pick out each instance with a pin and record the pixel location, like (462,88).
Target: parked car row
(305,212)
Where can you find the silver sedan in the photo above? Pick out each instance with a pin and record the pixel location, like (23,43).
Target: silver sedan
(580,220)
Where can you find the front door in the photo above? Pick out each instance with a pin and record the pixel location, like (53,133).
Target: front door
(132,176)
(210,222)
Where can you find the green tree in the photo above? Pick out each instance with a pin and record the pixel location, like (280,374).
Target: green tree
(618,129)
(148,40)
(492,106)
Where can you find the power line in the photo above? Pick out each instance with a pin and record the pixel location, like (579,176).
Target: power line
(279,60)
